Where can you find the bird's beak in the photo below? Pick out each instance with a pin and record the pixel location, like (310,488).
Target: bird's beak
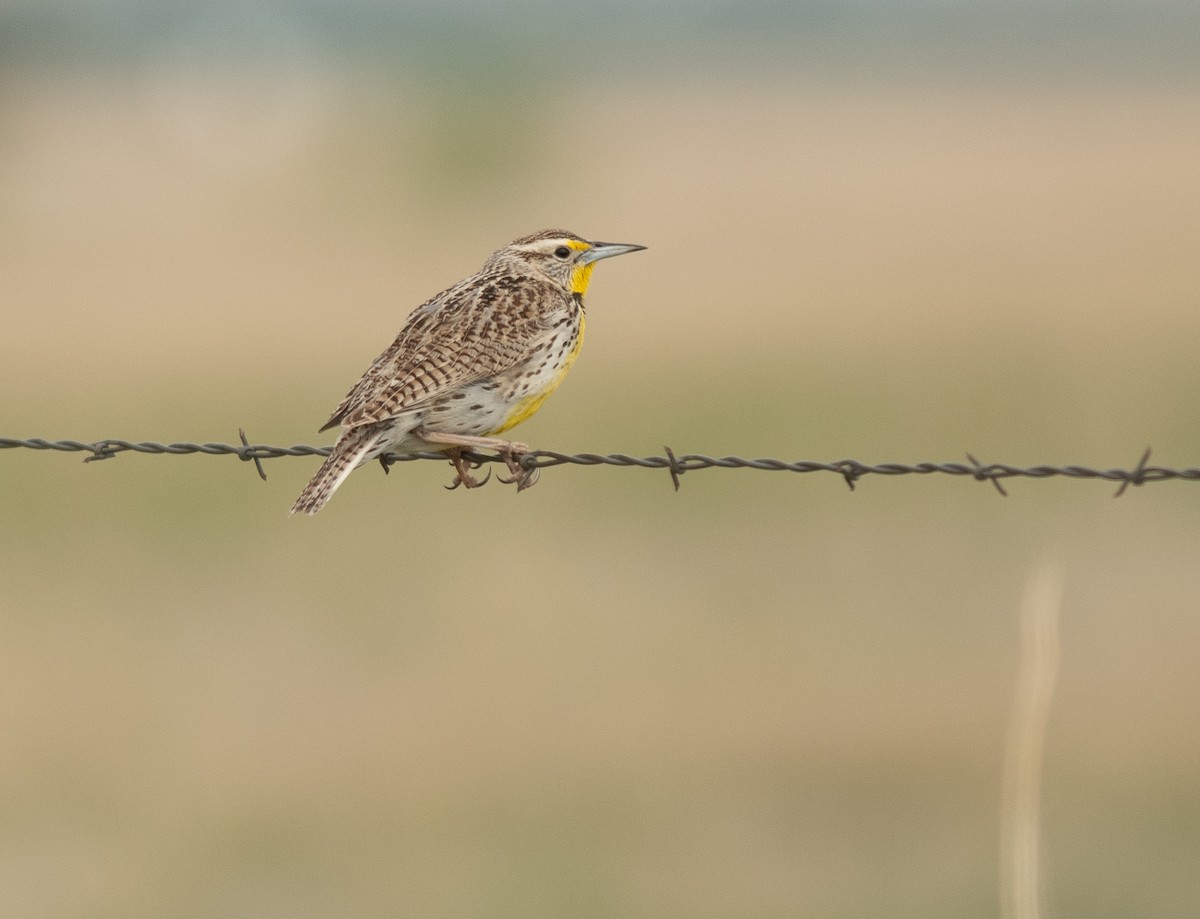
(606,250)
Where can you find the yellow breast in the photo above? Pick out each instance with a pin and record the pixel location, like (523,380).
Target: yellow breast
(527,406)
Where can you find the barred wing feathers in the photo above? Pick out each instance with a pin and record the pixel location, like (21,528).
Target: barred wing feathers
(470,332)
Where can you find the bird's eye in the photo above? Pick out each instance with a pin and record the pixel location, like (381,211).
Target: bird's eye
(562,252)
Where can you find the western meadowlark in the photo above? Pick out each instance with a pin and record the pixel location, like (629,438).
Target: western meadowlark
(472,362)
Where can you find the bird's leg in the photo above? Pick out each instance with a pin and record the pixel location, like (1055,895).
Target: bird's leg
(465,440)
(508,450)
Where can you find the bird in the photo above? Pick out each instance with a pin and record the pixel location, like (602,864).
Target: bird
(470,363)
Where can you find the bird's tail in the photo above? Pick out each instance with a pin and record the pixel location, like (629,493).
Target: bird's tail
(348,452)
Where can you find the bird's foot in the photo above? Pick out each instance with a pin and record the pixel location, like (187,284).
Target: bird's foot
(463,469)
(523,476)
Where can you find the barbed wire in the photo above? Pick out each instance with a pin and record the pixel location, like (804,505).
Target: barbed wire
(676,465)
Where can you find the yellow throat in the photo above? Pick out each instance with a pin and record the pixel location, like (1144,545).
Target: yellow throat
(581,275)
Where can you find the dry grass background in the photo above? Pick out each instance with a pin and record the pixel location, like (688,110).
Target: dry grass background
(762,696)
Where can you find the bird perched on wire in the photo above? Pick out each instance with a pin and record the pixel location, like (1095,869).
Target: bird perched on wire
(472,362)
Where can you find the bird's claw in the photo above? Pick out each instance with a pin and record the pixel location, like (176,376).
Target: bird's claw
(523,476)
(464,477)
(520,475)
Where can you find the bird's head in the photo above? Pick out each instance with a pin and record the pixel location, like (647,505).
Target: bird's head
(564,258)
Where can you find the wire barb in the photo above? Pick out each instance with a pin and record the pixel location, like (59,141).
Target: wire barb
(1137,477)
(673,467)
(101,450)
(249,456)
(987,472)
(851,471)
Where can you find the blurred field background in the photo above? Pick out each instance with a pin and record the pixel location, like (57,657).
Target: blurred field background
(892,232)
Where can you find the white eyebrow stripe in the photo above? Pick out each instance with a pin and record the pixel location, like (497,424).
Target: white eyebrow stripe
(543,246)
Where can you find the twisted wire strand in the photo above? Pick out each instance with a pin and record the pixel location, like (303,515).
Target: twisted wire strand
(850,470)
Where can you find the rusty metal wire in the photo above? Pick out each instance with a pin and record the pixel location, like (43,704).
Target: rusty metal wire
(675,464)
